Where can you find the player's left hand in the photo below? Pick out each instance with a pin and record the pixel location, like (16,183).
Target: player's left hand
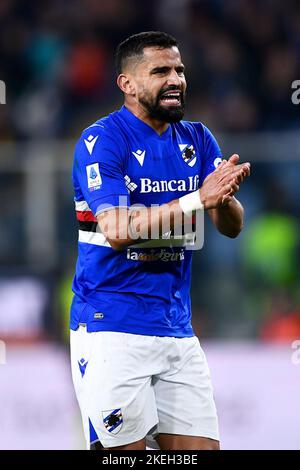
(237,180)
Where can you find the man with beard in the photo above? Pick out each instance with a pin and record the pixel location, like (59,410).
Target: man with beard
(138,369)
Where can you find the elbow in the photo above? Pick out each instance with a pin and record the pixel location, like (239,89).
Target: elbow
(116,244)
(113,226)
(233,232)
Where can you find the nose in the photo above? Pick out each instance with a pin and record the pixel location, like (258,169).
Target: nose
(174,79)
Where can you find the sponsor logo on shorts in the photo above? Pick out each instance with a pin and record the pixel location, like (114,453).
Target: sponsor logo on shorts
(113,420)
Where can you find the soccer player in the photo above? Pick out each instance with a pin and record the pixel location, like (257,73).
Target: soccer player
(138,370)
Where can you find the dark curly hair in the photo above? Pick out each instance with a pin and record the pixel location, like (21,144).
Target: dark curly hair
(133,46)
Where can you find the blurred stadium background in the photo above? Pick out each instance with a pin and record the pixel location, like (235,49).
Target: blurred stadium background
(56,59)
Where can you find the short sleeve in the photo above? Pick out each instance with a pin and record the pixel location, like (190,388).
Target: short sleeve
(212,154)
(98,171)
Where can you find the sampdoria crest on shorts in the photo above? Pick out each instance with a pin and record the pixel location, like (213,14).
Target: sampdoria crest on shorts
(113,420)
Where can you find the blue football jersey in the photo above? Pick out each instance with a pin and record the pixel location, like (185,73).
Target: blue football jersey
(121,161)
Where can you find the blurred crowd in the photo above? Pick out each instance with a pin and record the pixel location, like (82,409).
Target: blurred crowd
(56,58)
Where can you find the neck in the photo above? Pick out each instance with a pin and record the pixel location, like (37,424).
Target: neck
(159,126)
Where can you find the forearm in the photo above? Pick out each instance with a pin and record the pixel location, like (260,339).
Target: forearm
(123,227)
(152,223)
(228,219)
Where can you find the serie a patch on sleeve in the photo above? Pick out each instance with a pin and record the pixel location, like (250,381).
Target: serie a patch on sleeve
(94,179)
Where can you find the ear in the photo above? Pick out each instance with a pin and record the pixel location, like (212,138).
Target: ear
(125,83)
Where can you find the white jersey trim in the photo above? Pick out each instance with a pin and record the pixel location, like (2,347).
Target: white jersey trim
(93,238)
(82,206)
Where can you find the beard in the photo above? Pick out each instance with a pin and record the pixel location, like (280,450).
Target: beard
(161,112)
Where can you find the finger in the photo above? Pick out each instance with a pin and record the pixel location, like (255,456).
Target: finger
(241,171)
(226,199)
(235,174)
(234,187)
(239,179)
(227,189)
(247,170)
(246,167)
(226,174)
(235,167)
(234,159)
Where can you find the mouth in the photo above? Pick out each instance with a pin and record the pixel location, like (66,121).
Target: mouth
(171,98)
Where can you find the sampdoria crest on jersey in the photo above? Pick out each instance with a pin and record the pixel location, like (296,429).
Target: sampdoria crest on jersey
(113,420)
(188,154)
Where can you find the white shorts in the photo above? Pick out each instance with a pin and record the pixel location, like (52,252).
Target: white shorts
(132,386)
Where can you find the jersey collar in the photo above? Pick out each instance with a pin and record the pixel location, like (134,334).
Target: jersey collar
(142,126)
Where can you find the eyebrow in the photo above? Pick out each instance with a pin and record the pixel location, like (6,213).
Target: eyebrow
(163,69)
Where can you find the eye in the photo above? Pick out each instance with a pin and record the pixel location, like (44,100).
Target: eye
(160,71)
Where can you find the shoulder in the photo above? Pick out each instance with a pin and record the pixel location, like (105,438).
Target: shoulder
(107,127)
(104,134)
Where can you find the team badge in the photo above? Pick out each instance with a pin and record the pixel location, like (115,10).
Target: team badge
(188,154)
(94,179)
(113,420)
